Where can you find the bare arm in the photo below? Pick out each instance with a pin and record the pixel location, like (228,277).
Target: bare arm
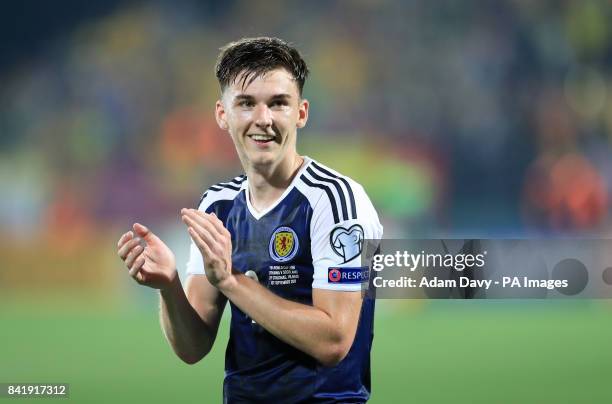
(325,330)
(190,319)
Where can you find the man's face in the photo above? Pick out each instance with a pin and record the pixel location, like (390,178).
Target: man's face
(263,117)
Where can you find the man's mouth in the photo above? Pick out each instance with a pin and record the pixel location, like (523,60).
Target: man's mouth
(261,138)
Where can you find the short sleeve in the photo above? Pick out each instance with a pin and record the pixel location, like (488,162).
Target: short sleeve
(195,263)
(337,245)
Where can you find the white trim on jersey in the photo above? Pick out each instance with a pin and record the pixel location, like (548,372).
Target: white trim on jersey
(258,215)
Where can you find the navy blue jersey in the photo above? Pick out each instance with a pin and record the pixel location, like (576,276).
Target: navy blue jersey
(312,237)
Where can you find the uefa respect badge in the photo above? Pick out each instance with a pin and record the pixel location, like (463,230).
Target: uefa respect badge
(350,275)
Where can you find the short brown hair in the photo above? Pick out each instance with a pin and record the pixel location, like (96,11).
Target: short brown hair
(253,57)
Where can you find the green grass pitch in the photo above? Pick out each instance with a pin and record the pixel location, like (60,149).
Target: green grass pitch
(424,352)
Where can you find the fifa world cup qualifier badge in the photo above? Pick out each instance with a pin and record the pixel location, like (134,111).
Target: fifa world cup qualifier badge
(284,244)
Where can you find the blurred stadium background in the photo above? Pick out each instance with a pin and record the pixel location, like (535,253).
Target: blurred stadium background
(461,119)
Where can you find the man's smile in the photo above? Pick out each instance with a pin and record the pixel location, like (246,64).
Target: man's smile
(262,138)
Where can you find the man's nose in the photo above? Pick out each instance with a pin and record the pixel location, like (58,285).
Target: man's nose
(263,116)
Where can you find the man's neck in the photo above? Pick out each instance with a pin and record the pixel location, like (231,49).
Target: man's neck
(267,184)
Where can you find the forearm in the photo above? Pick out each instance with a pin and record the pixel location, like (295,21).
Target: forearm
(307,328)
(190,337)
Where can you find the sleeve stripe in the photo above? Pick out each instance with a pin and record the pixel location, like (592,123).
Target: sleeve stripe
(221,186)
(235,185)
(335,183)
(329,193)
(346,184)
(232,184)
(201,199)
(238,180)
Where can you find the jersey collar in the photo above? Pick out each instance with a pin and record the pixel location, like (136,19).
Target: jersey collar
(259,215)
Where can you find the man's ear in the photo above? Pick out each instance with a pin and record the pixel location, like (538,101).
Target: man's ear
(302,113)
(220,115)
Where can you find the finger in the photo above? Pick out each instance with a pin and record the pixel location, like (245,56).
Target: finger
(204,220)
(223,235)
(124,238)
(218,224)
(202,232)
(197,223)
(204,248)
(140,277)
(134,253)
(135,268)
(143,231)
(127,247)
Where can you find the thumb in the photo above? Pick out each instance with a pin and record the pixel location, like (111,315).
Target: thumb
(143,232)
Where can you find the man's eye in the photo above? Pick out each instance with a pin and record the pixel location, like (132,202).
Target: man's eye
(245,103)
(279,103)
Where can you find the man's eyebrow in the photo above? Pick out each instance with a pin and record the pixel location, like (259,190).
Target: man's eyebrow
(280,96)
(275,97)
(241,97)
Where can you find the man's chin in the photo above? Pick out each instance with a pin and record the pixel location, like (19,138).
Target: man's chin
(262,159)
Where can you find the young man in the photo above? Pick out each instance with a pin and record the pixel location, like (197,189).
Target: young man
(282,243)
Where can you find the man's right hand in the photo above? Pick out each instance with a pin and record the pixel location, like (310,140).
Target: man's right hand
(153,265)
